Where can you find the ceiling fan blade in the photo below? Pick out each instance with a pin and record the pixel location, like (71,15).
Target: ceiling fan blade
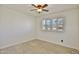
(45,5)
(34,5)
(45,10)
(32,9)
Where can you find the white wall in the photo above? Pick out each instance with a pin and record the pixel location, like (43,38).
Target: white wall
(15,27)
(71,34)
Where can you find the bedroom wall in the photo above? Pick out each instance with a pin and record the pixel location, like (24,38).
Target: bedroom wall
(15,27)
(70,36)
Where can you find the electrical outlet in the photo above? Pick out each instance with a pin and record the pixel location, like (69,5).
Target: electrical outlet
(61,41)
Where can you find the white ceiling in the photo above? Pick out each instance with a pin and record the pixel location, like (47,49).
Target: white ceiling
(53,8)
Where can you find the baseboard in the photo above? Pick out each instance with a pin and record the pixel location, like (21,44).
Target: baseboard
(33,39)
(60,44)
(15,43)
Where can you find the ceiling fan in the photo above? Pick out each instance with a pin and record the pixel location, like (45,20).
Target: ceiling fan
(40,7)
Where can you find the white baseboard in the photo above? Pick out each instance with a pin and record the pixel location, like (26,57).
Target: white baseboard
(61,44)
(33,39)
(9,45)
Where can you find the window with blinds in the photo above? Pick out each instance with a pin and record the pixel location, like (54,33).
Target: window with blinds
(55,24)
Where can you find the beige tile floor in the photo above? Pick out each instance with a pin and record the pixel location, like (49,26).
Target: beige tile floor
(38,46)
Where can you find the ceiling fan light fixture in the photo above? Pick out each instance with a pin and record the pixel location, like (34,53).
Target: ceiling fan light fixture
(39,10)
(40,7)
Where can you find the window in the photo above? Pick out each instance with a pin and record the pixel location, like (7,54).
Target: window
(60,24)
(47,24)
(55,24)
